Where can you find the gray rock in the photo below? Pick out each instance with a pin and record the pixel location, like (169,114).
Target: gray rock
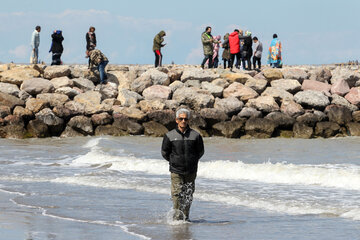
(157,92)
(140,83)
(24,95)
(171,104)
(278,94)
(24,113)
(53,99)
(264,104)
(215,90)
(68,91)
(249,112)
(213,115)
(192,83)
(295,73)
(220,82)
(157,77)
(108,90)
(18,75)
(128,98)
(10,100)
(35,86)
(38,129)
(84,84)
(54,71)
(338,100)
(290,85)
(338,114)
(350,76)
(9,88)
(229,129)
(259,127)
(151,105)
(4,111)
(62,82)
(81,124)
(291,108)
(281,119)
(175,85)
(154,129)
(130,112)
(311,98)
(109,130)
(327,129)
(164,117)
(240,91)
(194,98)
(301,130)
(198,74)
(54,123)
(309,119)
(353,128)
(230,105)
(272,74)
(127,125)
(258,85)
(101,119)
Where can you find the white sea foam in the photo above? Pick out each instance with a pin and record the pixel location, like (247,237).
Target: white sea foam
(326,175)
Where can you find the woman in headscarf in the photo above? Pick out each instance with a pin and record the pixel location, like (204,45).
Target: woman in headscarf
(274,58)
(56,47)
(226,52)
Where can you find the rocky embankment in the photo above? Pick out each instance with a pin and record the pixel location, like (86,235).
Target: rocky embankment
(66,101)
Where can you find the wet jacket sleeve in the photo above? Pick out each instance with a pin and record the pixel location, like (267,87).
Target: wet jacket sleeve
(200,146)
(166,148)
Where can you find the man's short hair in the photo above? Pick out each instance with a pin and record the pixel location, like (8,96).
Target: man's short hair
(183,111)
(236,30)
(37,28)
(255,38)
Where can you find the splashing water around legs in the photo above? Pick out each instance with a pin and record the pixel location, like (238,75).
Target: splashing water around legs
(182,190)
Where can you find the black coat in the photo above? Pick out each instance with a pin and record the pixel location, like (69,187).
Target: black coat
(247,47)
(182,150)
(90,40)
(56,46)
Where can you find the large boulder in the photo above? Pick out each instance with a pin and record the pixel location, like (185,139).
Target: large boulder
(295,73)
(9,88)
(110,130)
(165,117)
(54,99)
(37,129)
(81,124)
(108,90)
(309,118)
(4,111)
(157,92)
(68,91)
(236,77)
(175,85)
(54,123)
(316,86)
(278,94)
(128,98)
(14,127)
(71,108)
(198,74)
(258,85)
(213,115)
(151,105)
(312,98)
(140,83)
(10,100)
(353,128)
(259,127)
(101,119)
(121,78)
(215,90)
(91,100)
(350,76)
(264,104)
(272,74)
(194,98)
(127,125)
(18,75)
(62,82)
(290,85)
(281,119)
(291,108)
(356,116)
(24,113)
(326,129)
(130,112)
(229,129)
(230,105)
(338,114)
(36,105)
(56,71)
(221,82)
(84,84)
(321,74)
(175,74)
(249,112)
(301,130)
(157,77)
(240,91)
(192,83)
(197,121)
(35,86)
(338,100)
(154,129)
(340,87)
(354,96)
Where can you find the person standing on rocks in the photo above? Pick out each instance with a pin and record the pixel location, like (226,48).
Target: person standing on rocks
(257,53)
(35,42)
(56,47)
(234,44)
(226,52)
(182,147)
(216,51)
(246,52)
(90,39)
(275,58)
(98,59)
(207,41)
(157,45)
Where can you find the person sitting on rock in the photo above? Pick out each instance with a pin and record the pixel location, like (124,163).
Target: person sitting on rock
(98,59)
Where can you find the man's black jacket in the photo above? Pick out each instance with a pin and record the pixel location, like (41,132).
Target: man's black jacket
(182,150)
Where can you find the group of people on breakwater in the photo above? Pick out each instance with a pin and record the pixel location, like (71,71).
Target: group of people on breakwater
(235,45)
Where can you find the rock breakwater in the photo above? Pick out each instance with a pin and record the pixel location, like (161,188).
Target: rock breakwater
(67,101)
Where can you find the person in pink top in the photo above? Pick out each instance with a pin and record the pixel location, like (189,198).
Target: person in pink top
(216,51)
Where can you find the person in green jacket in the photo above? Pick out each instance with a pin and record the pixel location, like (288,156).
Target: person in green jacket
(207,41)
(158,44)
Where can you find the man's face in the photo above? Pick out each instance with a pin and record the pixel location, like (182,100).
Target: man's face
(255,41)
(182,120)
(209,30)
(39,30)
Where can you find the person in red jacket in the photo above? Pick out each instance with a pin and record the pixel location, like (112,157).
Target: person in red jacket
(234,43)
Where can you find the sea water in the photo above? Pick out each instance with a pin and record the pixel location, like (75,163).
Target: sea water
(119,188)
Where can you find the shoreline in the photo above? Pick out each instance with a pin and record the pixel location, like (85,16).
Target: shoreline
(67,101)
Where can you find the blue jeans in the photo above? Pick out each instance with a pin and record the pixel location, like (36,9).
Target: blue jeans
(101,69)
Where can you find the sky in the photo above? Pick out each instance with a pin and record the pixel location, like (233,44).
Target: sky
(311,31)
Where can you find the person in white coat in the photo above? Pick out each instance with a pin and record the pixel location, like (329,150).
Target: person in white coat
(35,42)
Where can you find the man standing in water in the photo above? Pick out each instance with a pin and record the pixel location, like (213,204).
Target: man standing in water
(182,147)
